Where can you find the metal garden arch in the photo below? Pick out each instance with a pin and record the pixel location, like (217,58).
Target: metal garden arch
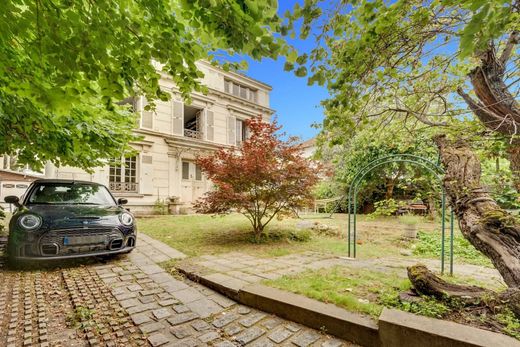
(403,158)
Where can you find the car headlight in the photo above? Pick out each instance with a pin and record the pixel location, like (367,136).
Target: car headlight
(126,219)
(30,221)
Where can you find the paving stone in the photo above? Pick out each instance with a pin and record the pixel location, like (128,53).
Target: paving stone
(252,319)
(129,303)
(135,288)
(209,336)
(306,338)
(224,319)
(222,300)
(243,310)
(162,313)
(147,299)
(332,343)
(188,342)
(292,327)
(157,339)
(181,331)
(249,335)
(280,335)
(181,308)
(168,302)
(262,342)
(224,344)
(271,323)
(233,329)
(200,325)
(151,327)
(187,295)
(182,318)
(204,307)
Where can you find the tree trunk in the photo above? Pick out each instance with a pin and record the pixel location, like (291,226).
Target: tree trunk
(490,229)
(514,159)
(426,283)
(389,189)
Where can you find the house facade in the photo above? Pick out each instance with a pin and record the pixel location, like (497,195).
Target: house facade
(174,135)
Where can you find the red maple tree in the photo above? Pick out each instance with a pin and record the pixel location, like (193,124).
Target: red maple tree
(263,178)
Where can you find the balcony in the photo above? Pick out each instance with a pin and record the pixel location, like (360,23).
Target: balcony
(194,134)
(124,187)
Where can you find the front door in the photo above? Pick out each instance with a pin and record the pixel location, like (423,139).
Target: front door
(192,182)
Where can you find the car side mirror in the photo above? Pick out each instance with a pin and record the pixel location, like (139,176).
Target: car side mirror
(12,199)
(122,201)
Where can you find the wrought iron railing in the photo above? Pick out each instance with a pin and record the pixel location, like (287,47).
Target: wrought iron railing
(194,134)
(124,187)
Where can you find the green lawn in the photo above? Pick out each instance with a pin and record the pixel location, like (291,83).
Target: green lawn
(203,234)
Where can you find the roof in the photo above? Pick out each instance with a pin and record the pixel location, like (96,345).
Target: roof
(69,181)
(308,143)
(9,175)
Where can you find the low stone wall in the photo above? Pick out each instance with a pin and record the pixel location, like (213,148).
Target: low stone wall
(393,329)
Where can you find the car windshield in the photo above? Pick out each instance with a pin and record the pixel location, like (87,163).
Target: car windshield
(70,193)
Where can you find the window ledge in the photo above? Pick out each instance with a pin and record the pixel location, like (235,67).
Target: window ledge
(128,194)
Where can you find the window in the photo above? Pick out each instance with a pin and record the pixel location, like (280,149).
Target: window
(240,91)
(185,170)
(198,173)
(193,121)
(122,175)
(241,131)
(71,193)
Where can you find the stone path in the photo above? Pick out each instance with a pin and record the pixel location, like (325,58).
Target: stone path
(239,269)
(173,311)
(132,301)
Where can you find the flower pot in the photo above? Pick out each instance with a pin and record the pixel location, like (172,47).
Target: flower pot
(410,231)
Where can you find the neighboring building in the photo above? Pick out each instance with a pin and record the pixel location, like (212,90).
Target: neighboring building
(14,180)
(309,147)
(174,135)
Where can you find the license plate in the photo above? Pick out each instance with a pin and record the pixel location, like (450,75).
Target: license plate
(83,240)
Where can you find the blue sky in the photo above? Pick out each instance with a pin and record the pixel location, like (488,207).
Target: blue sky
(297,105)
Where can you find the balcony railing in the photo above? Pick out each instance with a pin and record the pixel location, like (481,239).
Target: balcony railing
(124,187)
(193,134)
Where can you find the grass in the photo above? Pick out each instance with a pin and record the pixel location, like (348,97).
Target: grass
(368,292)
(203,234)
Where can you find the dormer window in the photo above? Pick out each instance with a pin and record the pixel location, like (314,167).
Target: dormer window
(240,91)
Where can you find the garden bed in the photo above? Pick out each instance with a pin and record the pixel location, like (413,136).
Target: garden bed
(368,292)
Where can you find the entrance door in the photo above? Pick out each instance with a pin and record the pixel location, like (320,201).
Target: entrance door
(192,184)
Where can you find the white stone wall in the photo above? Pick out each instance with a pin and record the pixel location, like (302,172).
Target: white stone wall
(162,178)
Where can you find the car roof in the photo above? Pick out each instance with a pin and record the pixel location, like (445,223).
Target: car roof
(65,181)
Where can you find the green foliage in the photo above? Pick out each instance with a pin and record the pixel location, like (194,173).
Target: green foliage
(160,207)
(498,178)
(511,323)
(2,220)
(385,208)
(429,245)
(427,306)
(64,65)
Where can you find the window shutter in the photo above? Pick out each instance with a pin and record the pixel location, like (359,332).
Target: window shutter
(238,134)
(231,126)
(146,176)
(178,118)
(146,116)
(209,125)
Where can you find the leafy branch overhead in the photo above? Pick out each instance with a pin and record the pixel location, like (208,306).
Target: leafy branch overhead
(64,65)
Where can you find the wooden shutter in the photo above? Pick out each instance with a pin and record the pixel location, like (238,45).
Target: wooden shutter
(209,125)
(146,176)
(178,118)
(231,127)
(146,116)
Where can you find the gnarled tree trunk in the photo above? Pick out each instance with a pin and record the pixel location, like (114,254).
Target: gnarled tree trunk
(490,229)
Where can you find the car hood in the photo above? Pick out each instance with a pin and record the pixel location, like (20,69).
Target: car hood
(64,216)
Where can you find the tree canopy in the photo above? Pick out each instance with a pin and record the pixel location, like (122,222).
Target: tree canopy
(64,65)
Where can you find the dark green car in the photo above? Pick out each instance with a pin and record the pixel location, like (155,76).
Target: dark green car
(58,219)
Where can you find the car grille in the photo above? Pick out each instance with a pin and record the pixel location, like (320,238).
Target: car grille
(75,241)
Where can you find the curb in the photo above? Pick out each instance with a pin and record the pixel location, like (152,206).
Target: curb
(394,329)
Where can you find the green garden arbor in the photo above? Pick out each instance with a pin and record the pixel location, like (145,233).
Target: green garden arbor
(434,168)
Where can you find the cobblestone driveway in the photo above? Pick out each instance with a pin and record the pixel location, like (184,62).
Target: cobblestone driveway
(133,301)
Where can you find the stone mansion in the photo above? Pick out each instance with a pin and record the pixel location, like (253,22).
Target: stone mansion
(173,135)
